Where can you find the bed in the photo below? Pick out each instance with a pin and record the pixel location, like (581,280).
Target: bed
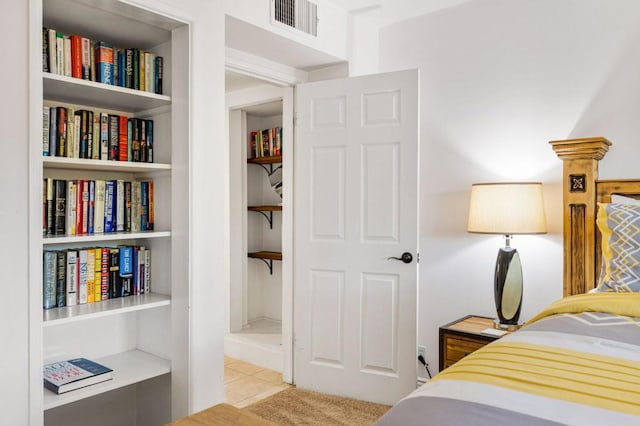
(578,361)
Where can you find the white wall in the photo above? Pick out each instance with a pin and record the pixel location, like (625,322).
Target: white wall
(14,193)
(499,79)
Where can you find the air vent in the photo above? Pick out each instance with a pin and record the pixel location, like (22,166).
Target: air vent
(301,15)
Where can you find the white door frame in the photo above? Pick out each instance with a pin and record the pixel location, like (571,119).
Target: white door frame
(285,77)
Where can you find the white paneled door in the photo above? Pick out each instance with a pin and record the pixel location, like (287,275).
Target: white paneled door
(356,206)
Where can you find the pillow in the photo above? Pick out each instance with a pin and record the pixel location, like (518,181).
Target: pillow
(621,199)
(619,225)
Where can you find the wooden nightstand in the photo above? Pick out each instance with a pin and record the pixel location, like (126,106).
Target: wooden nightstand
(463,336)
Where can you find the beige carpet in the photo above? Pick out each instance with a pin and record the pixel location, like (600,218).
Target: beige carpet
(298,407)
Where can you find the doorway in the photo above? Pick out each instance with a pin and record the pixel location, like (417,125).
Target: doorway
(259,119)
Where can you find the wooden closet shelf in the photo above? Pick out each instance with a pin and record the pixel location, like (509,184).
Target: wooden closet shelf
(265,160)
(271,255)
(265,208)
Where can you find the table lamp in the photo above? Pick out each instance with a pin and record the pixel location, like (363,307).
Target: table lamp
(508,209)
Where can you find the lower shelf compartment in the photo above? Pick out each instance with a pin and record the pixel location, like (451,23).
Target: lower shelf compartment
(128,368)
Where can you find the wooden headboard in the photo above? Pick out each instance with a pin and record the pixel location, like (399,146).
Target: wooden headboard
(581,192)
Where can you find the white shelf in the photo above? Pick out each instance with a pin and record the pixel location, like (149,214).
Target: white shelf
(108,236)
(103,165)
(98,95)
(128,368)
(116,306)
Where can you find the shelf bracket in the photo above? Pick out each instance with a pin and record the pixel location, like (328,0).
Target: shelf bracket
(269,217)
(269,170)
(269,264)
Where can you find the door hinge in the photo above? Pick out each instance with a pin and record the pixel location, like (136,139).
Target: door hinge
(417,257)
(295,119)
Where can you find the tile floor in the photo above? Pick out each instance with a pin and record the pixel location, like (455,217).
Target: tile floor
(247,383)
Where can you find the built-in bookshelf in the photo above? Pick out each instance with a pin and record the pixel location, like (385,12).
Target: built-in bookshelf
(137,336)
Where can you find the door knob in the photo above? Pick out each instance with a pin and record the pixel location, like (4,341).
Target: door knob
(406,257)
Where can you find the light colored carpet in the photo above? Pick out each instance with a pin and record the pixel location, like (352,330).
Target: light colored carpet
(299,407)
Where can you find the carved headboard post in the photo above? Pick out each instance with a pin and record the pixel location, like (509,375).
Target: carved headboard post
(580,171)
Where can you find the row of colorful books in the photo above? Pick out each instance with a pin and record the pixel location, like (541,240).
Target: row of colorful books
(88,275)
(85,207)
(265,143)
(80,57)
(96,135)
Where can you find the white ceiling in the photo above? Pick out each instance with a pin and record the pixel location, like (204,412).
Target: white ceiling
(386,12)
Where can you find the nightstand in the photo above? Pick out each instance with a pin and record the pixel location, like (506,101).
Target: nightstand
(463,336)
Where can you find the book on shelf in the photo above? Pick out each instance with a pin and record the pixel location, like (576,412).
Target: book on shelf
(60,213)
(50,207)
(67,55)
(265,143)
(96,60)
(89,207)
(94,274)
(49,279)
(72,278)
(97,135)
(66,376)
(104,63)
(82,276)
(61,279)
(46,119)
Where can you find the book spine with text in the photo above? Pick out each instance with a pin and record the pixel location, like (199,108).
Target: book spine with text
(120,205)
(72,278)
(126,270)
(104,274)
(53,131)
(98,209)
(144,205)
(61,279)
(141,259)
(91,275)
(104,136)
(147,271)
(82,276)
(76,56)
(49,280)
(104,62)
(85,52)
(46,117)
(110,209)
(60,196)
(114,137)
(71,207)
(50,207)
(71,133)
(150,208)
(97,136)
(135,206)
(97,274)
(115,285)
(123,138)
(149,141)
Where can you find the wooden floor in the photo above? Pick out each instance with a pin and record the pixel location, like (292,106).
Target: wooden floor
(247,383)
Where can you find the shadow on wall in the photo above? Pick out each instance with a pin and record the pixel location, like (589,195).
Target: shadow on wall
(614,112)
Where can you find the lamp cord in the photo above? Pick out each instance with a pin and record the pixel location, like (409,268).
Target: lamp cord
(423,362)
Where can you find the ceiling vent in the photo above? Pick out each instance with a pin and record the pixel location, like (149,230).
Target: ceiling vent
(301,15)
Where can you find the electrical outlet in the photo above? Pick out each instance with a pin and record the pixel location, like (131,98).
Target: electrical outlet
(422,351)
